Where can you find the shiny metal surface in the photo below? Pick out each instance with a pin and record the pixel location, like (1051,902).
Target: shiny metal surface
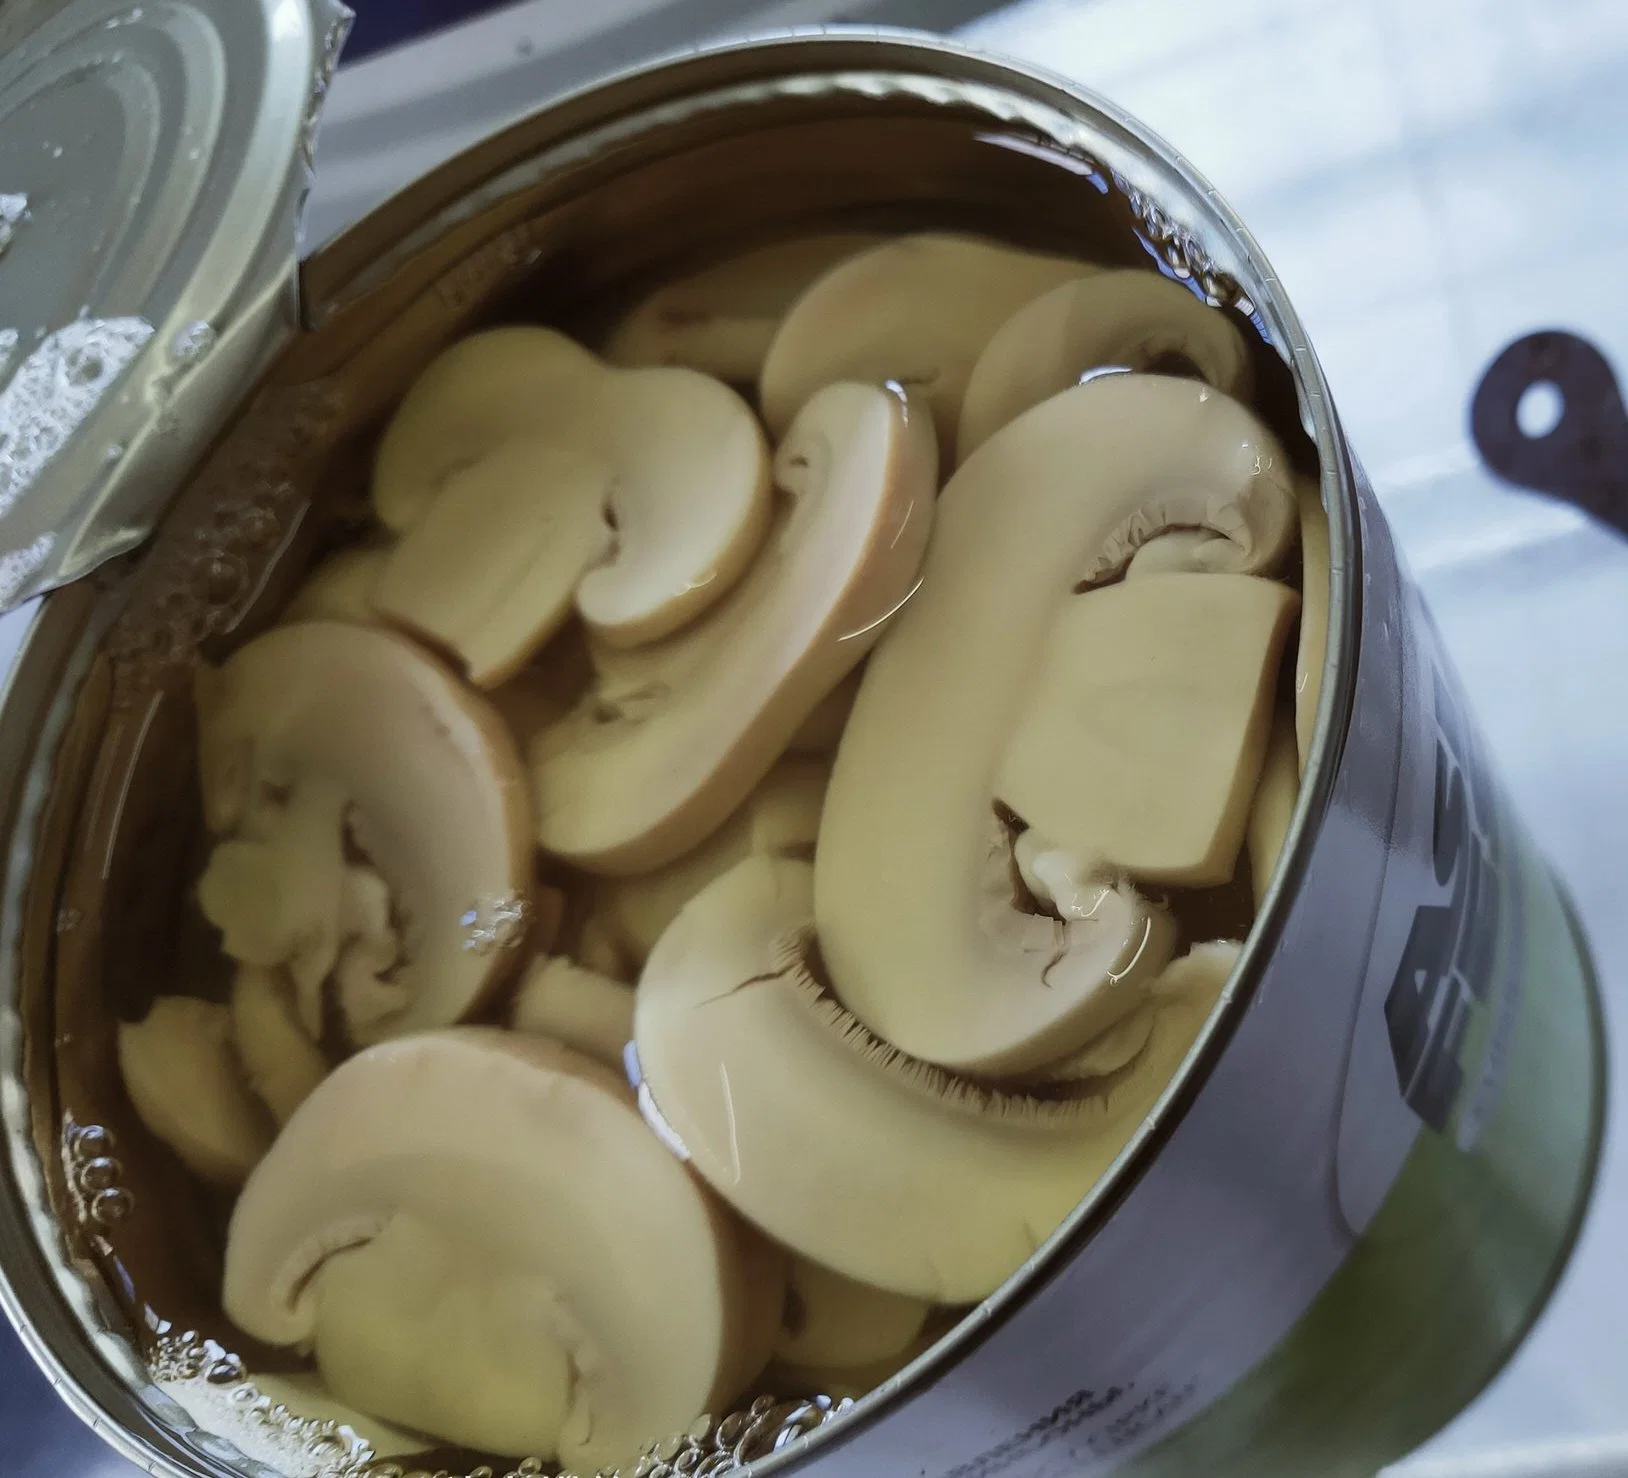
(160,155)
(1470,203)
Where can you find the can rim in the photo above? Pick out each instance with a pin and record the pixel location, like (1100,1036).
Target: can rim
(77,1365)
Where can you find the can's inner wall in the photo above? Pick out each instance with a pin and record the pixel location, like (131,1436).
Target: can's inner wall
(112,917)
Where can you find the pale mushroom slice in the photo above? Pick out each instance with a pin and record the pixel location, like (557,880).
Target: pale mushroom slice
(281,1063)
(920,930)
(660,753)
(1316,587)
(582,1008)
(781,818)
(835,1323)
(1275,799)
(187,1087)
(1141,741)
(481,1240)
(1128,319)
(821,731)
(548,477)
(722,319)
(1189,551)
(851,1154)
(917,311)
(341,588)
(433,796)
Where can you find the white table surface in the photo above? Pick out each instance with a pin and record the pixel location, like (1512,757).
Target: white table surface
(1431,178)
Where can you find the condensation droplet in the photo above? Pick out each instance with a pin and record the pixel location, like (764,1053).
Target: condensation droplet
(192,344)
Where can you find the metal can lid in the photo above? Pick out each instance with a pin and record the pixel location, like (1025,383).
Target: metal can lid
(154,159)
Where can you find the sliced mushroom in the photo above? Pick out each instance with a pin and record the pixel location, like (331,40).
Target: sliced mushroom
(1316,590)
(303,1394)
(585,1010)
(919,925)
(341,588)
(821,731)
(781,818)
(1142,739)
(433,795)
(892,1173)
(917,311)
(833,1322)
(481,1240)
(282,1064)
(1275,800)
(1133,319)
(186,1086)
(722,319)
(546,689)
(659,753)
(527,474)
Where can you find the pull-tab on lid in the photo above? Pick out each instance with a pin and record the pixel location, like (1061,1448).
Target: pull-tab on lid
(154,157)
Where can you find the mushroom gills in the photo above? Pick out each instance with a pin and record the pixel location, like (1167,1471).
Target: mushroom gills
(480,1238)
(1128,318)
(187,1087)
(673,738)
(874,1165)
(1144,733)
(916,310)
(543,442)
(582,1008)
(924,935)
(722,319)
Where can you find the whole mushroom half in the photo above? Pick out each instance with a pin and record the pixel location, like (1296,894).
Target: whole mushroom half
(527,477)
(917,310)
(481,1240)
(1130,319)
(926,937)
(885,1170)
(375,822)
(672,738)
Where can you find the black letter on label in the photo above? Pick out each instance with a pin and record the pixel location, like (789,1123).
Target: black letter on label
(1420,980)
(1449,814)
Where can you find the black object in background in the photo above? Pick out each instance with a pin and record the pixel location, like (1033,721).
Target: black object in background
(1583,457)
(385,23)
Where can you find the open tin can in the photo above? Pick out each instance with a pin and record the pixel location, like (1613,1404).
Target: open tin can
(1343,1215)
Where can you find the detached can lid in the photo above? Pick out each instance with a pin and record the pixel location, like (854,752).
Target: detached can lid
(154,159)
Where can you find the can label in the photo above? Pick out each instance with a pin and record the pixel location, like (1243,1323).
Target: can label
(1383,1014)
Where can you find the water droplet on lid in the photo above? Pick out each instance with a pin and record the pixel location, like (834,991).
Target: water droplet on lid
(192,344)
(56,152)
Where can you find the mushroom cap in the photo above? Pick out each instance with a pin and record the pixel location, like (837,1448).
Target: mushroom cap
(515,1262)
(916,922)
(672,740)
(433,789)
(187,1087)
(722,319)
(850,1155)
(917,310)
(687,490)
(1316,591)
(1129,318)
(1142,738)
